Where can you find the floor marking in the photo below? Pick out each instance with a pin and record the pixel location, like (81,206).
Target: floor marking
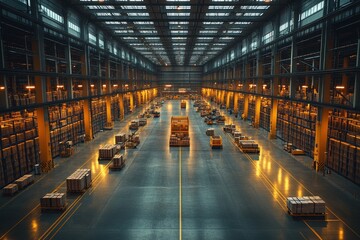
(313,230)
(180,196)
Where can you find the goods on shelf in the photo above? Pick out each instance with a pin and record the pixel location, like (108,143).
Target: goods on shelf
(107,151)
(53,201)
(19,145)
(98,114)
(24,181)
(118,162)
(307,205)
(248,146)
(179,131)
(10,189)
(215,141)
(210,132)
(79,180)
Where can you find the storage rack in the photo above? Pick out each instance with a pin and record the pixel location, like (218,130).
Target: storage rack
(115,109)
(179,131)
(66,124)
(251,112)
(296,124)
(344,144)
(19,145)
(98,114)
(265,113)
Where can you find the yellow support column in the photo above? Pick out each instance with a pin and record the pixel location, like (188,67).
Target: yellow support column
(256,123)
(246,107)
(46,160)
(121,106)
(87,102)
(274,92)
(236,100)
(228,95)
(321,131)
(108,98)
(131,101)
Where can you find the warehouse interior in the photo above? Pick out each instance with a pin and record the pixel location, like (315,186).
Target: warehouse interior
(232,119)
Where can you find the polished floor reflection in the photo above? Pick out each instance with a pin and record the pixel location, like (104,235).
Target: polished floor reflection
(185,193)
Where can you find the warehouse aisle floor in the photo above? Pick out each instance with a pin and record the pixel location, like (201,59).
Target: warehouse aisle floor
(187,193)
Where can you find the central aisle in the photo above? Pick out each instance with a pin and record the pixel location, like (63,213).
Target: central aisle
(224,194)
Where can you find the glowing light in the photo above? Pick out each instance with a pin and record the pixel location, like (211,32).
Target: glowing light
(286,185)
(240,85)
(79,86)
(340,87)
(279,176)
(92,85)
(126,85)
(115,85)
(341,233)
(2,88)
(30,87)
(168,85)
(104,85)
(304,86)
(34,225)
(300,192)
(59,86)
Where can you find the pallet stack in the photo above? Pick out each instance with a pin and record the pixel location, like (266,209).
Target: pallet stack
(118,162)
(107,151)
(120,138)
(307,205)
(142,121)
(210,132)
(24,181)
(179,131)
(79,180)
(248,146)
(10,189)
(53,201)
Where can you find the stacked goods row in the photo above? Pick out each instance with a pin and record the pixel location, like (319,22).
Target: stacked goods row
(307,205)
(210,132)
(10,189)
(107,151)
(24,181)
(182,104)
(248,146)
(120,138)
(16,100)
(296,125)
(56,95)
(265,113)
(240,104)
(215,141)
(344,144)
(179,131)
(126,100)
(98,114)
(133,141)
(19,145)
(56,201)
(79,180)
(66,124)
(118,162)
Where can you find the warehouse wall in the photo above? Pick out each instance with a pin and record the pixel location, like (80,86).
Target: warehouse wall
(180,77)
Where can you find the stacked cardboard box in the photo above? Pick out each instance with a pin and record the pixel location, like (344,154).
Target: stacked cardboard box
(79,180)
(306,205)
(210,132)
(120,138)
(249,146)
(107,151)
(24,181)
(118,160)
(53,201)
(10,189)
(142,121)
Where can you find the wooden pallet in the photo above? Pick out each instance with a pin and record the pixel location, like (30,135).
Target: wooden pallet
(306,214)
(112,167)
(49,209)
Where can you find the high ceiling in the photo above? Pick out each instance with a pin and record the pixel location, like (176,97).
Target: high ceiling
(172,32)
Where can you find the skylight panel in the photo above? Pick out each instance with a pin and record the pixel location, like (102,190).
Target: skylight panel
(234,31)
(113,22)
(92,7)
(152,38)
(148,31)
(133,7)
(177,7)
(178,14)
(221,7)
(143,14)
(129,38)
(179,31)
(102,14)
(213,23)
(124,31)
(178,23)
(242,23)
(205,38)
(253,14)
(208,31)
(219,14)
(144,22)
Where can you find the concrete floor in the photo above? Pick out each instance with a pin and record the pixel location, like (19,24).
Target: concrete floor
(185,193)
